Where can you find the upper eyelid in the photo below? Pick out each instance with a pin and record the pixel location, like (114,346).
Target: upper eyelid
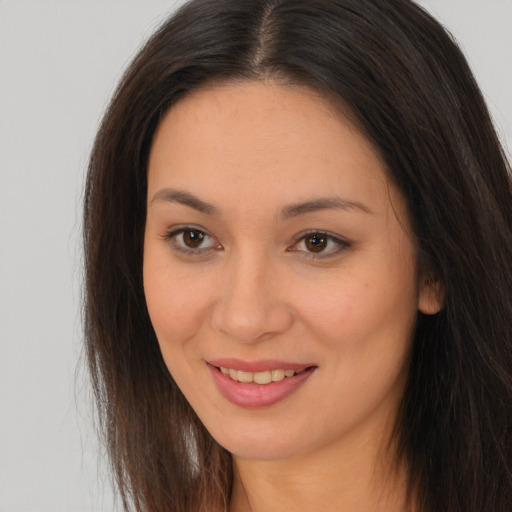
(176,230)
(333,236)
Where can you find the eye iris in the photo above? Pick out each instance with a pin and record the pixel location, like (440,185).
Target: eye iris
(316,243)
(193,238)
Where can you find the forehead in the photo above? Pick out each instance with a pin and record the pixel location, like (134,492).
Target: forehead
(265,138)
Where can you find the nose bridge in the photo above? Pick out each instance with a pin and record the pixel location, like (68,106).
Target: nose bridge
(249,307)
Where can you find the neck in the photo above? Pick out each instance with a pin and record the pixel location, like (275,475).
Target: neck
(355,477)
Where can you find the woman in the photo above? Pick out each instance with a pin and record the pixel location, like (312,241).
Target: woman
(298,266)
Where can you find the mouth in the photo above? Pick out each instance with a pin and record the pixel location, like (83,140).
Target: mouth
(263,377)
(258,384)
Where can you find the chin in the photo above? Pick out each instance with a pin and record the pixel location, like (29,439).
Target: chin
(266,444)
(262,451)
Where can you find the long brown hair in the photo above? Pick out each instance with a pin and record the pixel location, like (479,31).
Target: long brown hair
(410,89)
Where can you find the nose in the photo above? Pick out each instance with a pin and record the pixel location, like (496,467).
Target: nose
(250,306)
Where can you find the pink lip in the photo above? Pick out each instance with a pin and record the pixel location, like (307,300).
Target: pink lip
(257,395)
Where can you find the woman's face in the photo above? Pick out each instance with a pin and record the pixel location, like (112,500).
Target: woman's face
(279,270)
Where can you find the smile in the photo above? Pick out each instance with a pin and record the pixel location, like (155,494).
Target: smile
(258,384)
(264,377)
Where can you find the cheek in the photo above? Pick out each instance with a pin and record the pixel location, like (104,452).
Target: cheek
(364,327)
(176,304)
(364,311)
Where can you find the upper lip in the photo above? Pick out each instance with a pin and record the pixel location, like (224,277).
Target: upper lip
(257,366)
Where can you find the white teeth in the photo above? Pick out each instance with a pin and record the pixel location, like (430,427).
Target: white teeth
(262,377)
(277,375)
(246,377)
(265,377)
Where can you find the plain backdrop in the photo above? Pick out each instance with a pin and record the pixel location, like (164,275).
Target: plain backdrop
(59,63)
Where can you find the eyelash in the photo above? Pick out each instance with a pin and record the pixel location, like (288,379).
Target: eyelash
(173,239)
(341,244)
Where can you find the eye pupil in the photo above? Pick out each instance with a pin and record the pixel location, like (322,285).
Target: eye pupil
(193,238)
(316,243)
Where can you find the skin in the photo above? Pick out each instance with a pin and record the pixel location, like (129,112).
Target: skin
(253,289)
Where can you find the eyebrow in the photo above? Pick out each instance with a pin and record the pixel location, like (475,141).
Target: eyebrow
(323,203)
(186,199)
(294,210)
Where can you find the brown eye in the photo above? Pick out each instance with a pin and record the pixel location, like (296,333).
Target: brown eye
(192,241)
(316,242)
(193,238)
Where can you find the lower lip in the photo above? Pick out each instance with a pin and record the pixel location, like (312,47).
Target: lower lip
(257,395)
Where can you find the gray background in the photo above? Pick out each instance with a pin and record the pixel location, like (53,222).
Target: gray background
(59,62)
